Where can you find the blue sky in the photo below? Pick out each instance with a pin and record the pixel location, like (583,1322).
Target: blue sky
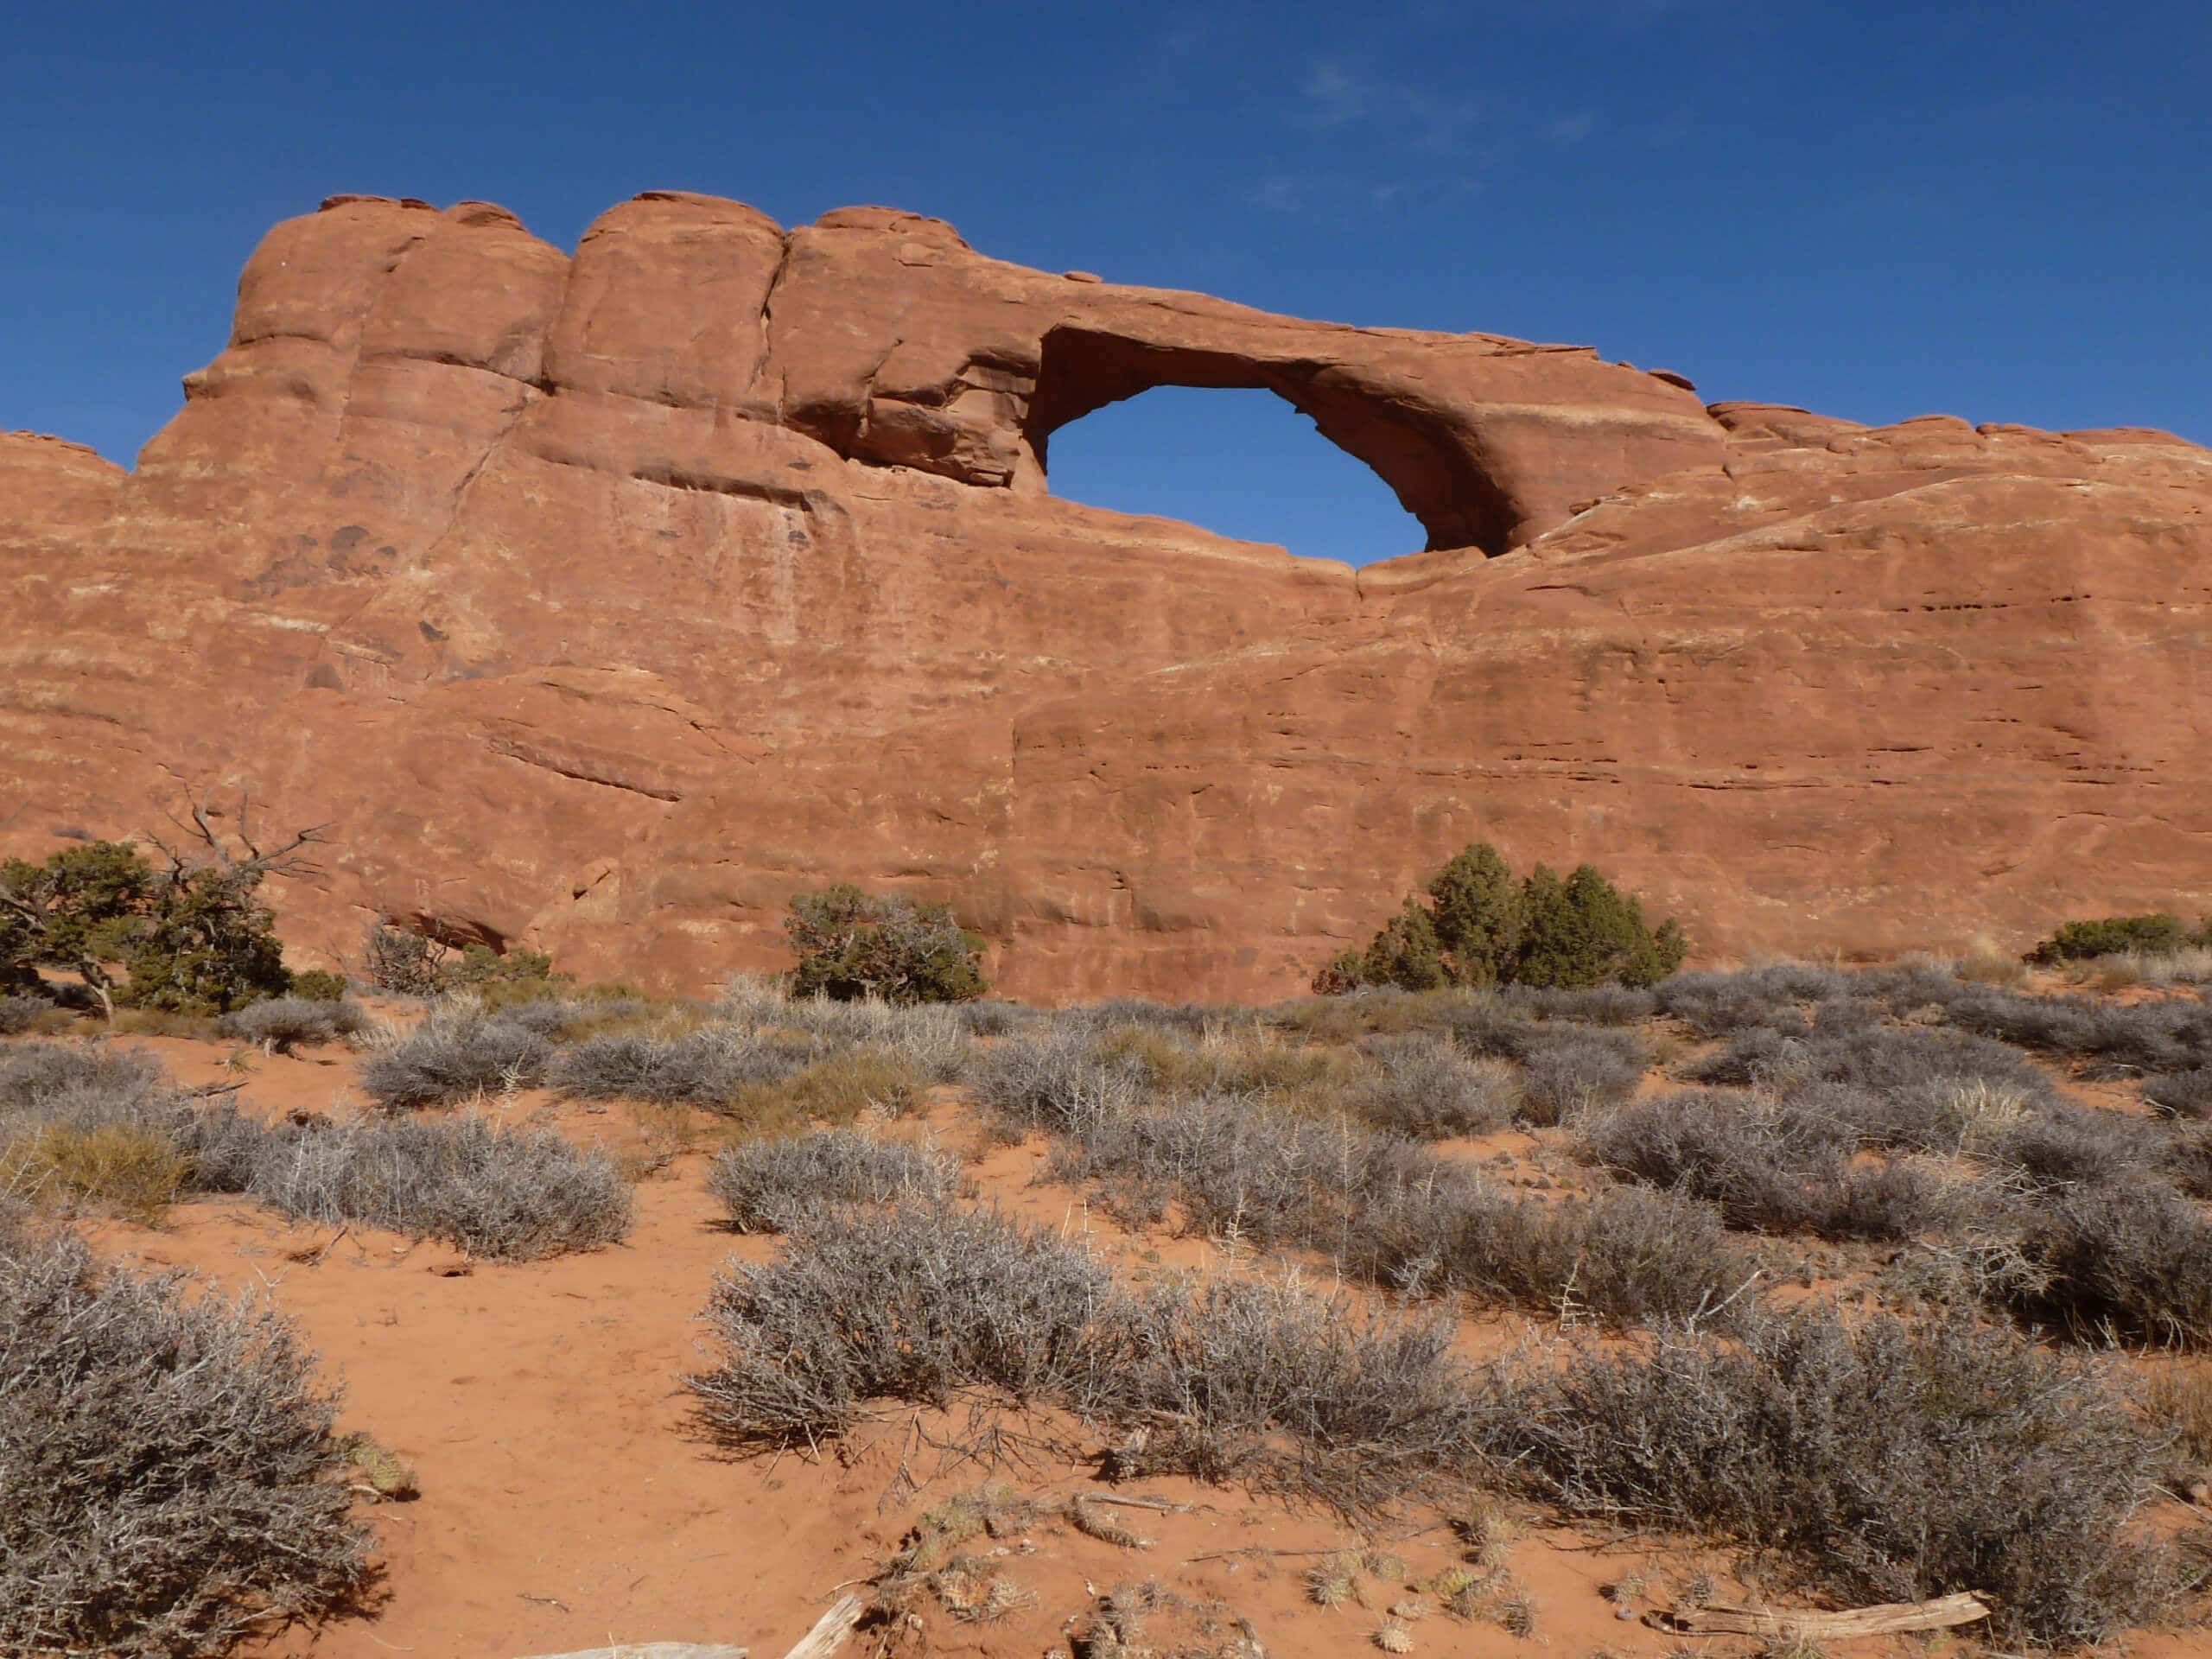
(1876,209)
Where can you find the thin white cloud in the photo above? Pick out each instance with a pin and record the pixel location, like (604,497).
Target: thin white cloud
(1339,201)
(1336,93)
(1279,193)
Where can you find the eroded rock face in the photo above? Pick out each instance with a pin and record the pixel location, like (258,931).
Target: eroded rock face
(600,601)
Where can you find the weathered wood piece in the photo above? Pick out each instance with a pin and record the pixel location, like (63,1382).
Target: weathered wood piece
(830,1630)
(1890,1618)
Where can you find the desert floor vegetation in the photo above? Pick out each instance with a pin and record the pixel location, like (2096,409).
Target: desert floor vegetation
(171,1475)
(1885,1284)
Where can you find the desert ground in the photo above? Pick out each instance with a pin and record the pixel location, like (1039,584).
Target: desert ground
(561,1488)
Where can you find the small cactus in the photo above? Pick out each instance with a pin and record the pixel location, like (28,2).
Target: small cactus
(1334,1582)
(1393,1637)
(1383,1565)
(1095,1521)
(1517,1614)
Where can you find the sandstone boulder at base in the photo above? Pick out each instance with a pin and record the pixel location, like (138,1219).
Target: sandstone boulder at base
(600,602)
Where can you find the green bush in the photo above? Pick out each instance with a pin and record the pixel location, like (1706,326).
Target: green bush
(195,938)
(205,946)
(1583,931)
(2159,933)
(853,944)
(18,956)
(1407,953)
(403,962)
(500,980)
(320,985)
(1479,927)
(1480,913)
(409,964)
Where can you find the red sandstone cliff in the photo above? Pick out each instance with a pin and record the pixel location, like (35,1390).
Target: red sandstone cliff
(600,601)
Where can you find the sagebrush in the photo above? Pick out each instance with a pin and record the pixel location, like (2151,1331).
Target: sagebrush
(171,1476)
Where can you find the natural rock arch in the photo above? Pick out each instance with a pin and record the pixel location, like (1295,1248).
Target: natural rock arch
(1412,448)
(1242,463)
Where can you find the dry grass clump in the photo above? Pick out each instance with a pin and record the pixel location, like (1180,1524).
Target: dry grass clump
(103,1124)
(1876,1461)
(1055,1081)
(933,1041)
(709,1068)
(1977,997)
(932,1560)
(457,1052)
(2167,1034)
(1149,1621)
(21,1012)
(765,1185)
(170,1475)
(1423,1087)
(501,1194)
(1384,1208)
(1771,1166)
(833,1090)
(124,1170)
(1259,1382)
(97,1125)
(2189,965)
(2178,1402)
(1244,1058)
(1718,1004)
(281,1024)
(952,1302)
(2117,1260)
(1567,1075)
(1593,1005)
(79,1083)
(2182,1094)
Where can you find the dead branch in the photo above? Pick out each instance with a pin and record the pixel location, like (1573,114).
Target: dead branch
(830,1630)
(1886,1619)
(287,859)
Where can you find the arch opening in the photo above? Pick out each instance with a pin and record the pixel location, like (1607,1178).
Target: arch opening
(1429,462)
(1239,463)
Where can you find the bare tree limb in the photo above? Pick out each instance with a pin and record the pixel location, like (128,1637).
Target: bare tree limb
(830,1630)
(1890,1616)
(287,859)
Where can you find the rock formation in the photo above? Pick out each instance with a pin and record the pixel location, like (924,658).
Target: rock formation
(598,602)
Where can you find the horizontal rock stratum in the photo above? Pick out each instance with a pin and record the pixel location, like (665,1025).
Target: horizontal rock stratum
(600,602)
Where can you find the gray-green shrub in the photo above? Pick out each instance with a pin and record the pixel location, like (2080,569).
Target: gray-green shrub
(1875,1460)
(171,1479)
(455,1054)
(765,1186)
